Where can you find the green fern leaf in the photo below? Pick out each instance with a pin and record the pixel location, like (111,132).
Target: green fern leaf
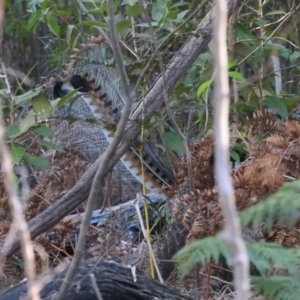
(265,256)
(283,206)
(277,287)
(200,251)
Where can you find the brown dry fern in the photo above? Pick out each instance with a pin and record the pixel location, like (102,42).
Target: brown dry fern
(273,158)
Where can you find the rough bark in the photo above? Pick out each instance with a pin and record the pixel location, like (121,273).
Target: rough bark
(113,281)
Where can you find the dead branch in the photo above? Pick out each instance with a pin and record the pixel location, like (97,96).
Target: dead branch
(232,233)
(113,281)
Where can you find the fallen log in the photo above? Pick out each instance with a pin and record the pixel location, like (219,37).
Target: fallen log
(113,281)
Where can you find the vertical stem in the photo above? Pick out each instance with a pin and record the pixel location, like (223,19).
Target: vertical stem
(232,233)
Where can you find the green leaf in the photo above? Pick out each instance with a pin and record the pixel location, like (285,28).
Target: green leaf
(261,22)
(53,24)
(291,101)
(180,89)
(63,12)
(40,162)
(274,49)
(12,131)
(236,76)
(174,142)
(294,57)
(157,12)
(69,33)
(277,104)
(61,101)
(275,12)
(17,153)
(44,131)
(178,4)
(153,24)
(28,95)
(96,12)
(129,2)
(182,14)
(27,123)
(243,33)
(203,87)
(34,18)
(123,25)
(133,10)
(240,148)
(242,105)
(201,116)
(51,146)
(42,106)
(235,156)
(94,23)
(231,63)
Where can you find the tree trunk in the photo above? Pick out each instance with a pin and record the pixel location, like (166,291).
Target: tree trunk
(113,281)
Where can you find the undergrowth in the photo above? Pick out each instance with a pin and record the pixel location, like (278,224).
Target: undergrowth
(277,266)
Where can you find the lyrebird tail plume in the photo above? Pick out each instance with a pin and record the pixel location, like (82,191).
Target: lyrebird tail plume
(95,111)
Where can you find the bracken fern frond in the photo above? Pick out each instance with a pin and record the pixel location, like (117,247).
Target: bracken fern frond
(200,251)
(265,256)
(277,287)
(283,206)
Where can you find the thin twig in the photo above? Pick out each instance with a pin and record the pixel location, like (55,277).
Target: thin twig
(98,180)
(232,233)
(144,192)
(19,223)
(95,287)
(146,237)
